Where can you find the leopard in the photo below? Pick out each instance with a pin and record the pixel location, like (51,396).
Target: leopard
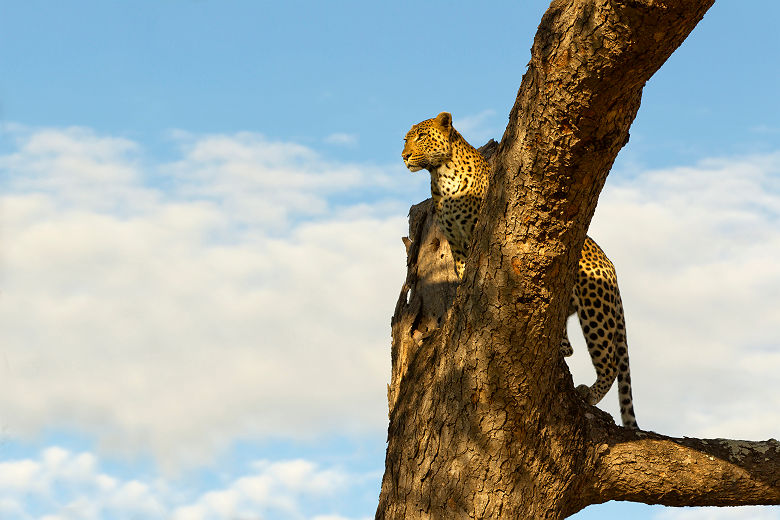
(459,181)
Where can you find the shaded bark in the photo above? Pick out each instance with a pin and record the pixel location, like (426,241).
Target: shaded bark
(484,419)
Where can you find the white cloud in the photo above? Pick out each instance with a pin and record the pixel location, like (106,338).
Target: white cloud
(278,487)
(342,139)
(22,474)
(477,128)
(270,489)
(334,517)
(70,485)
(76,168)
(194,318)
(720,513)
(264,183)
(10,508)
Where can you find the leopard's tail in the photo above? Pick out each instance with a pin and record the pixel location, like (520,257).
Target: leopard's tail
(624,372)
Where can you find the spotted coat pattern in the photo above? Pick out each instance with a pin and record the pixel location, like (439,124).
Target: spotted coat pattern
(459,180)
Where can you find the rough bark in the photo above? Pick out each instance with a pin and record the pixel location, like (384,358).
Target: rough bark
(484,419)
(654,469)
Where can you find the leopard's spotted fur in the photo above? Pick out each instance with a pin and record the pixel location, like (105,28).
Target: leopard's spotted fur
(459,180)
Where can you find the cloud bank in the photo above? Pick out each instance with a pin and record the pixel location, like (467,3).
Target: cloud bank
(60,484)
(243,289)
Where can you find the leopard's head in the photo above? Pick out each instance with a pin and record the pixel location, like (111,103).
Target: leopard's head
(428,144)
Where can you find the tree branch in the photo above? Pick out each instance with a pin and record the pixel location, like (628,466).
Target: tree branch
(651,468)
(620,464)
(484,419)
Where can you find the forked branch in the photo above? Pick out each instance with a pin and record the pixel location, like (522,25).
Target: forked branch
(484,419)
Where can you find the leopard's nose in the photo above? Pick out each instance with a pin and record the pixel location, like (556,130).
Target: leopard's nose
(405,155)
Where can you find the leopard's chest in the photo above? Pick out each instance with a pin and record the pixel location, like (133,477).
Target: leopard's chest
(450,182)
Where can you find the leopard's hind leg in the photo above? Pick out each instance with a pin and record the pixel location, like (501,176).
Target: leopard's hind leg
(600,313)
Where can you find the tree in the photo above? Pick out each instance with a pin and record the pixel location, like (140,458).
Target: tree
(484,419)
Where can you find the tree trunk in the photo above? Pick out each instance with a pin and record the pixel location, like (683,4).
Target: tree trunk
(484,419)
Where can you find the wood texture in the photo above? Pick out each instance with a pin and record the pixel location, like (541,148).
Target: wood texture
(484,419)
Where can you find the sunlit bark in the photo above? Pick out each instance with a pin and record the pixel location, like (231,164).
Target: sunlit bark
(484,420)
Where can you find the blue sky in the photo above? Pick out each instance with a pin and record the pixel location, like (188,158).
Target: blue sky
(202,204)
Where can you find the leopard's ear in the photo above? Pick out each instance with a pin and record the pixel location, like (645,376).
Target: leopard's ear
(444,120)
